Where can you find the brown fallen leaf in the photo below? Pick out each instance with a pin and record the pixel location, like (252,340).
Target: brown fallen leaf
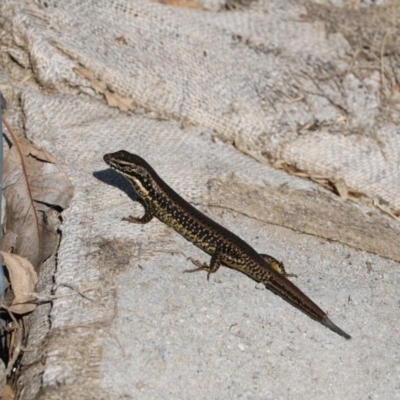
(9,242)
(115,100)
(7,393)
(36,190)
(342,189)
(23,279)
(97,85)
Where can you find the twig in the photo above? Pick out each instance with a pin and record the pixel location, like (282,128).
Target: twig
(75,291)
(17,347)
(384,210)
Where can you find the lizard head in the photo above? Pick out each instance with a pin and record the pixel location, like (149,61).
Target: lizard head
(138,172)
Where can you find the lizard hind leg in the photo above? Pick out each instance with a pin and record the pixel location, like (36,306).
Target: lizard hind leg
(276,265)
(215,263)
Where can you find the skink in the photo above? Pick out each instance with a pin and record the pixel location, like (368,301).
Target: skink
(225,248)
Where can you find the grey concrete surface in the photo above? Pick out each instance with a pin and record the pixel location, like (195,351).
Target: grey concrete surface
(141,329)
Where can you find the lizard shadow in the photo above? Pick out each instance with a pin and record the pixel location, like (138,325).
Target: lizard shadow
(113,178)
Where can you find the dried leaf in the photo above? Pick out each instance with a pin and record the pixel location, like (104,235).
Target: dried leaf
(115,100)
(121,40)
(9,242)
(36,189)
(97,85)
(342,189)
(23,279)
(7,393)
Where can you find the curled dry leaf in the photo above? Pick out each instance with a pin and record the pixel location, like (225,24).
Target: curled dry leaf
(36,190)
(23,279)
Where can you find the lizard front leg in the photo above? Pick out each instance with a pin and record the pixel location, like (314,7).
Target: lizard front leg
(147,217)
